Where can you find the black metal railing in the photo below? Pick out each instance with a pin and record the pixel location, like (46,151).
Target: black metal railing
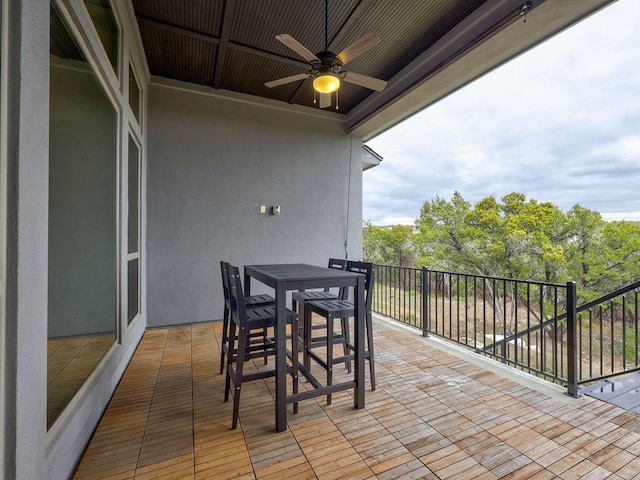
(533,326)
(397,294)
(607,335)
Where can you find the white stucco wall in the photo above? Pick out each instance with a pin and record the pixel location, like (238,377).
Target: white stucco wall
(27,78)
(211,163)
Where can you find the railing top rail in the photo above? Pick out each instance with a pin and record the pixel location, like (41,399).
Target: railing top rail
(609,296)
(397,266)
(501,279)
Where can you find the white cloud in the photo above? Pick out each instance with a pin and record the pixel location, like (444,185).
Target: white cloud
(628,216)
(560,123)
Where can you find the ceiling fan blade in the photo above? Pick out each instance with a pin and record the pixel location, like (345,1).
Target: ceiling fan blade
(357,48)
(297,47)
(325,100)
(282,81)
(365,81)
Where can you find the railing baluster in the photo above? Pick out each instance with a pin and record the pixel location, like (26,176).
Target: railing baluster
(601,342)
(493,305)
(475,315)
(426,305)
(572,377)
(529,327)
(612,347)
(579,345)
(624,333)
(484,312)
(636,317)
(466,309)
(543,340)
(590,343)
(505,345)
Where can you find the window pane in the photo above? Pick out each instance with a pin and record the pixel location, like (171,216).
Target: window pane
(134,196)
(82,303)
(134,94)
(105,22)
(133,275)
(133,266)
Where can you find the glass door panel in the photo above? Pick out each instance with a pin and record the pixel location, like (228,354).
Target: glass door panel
(83,186)
(133,257)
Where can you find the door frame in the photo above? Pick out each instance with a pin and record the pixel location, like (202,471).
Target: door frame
(3,218)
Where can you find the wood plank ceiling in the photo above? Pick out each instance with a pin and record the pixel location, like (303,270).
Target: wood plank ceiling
(231,44)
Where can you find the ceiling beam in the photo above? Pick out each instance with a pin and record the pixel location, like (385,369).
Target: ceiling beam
(349,25)
(269,55)
(225,34)
(216,41)
(178,30)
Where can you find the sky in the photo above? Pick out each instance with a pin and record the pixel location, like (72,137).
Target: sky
(560,123)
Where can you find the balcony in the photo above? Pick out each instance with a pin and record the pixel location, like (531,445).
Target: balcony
(437,412)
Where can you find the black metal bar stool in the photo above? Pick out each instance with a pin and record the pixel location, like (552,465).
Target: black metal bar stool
(339,309)
(300,299)
(243,322)
(251,302)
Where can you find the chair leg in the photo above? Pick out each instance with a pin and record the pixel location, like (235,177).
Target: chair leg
(264,341)
(306,331)
(344,323)
(294,358)
(329,355)
(242,346)
(225,338)
(372,369)
(229,358)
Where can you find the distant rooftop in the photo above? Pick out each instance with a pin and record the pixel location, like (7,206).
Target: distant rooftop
(370,158)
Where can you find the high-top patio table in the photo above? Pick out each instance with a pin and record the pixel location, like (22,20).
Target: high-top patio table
(300,276)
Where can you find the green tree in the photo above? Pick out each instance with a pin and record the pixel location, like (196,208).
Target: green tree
(513,238)
(444,236)
(583,246)
(602,256)
(389,245)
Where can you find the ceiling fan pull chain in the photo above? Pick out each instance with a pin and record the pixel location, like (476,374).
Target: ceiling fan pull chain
(314,96)
(337,106)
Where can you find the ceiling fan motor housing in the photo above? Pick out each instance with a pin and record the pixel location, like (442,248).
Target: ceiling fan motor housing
(329,62)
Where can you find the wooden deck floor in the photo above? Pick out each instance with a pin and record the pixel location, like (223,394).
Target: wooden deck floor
(433,415)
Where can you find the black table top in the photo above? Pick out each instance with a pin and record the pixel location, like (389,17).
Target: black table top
(297,271)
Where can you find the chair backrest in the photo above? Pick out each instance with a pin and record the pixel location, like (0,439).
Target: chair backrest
(338,264)
(236,296)
(366,268)
(225,283)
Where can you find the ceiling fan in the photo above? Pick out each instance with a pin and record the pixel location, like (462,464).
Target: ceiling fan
(326,66)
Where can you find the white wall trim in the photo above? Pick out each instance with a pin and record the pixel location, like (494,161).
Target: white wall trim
(3,217)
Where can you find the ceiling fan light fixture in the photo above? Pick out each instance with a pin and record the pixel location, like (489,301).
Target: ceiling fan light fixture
(326,83)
